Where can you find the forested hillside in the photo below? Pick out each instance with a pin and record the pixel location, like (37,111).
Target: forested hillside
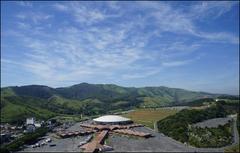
(87,99)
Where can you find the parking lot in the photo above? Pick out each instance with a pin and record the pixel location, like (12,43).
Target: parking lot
(120,143)
(60,145)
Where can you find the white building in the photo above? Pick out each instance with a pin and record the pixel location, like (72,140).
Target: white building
(30,120)
(112,119)
(31,124)
(30,128)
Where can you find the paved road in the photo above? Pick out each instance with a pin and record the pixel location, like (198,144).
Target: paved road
(213,122)
(62,145)
(235,132)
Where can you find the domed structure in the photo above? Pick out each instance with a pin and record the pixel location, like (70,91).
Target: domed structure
(112,119)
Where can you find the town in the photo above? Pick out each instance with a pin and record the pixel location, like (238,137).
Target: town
(111,133)
(11,132)
(119,76)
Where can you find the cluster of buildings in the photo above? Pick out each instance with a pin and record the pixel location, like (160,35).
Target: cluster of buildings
(11,132)
(32,124)
(100,127)
(64,134)
(109,124)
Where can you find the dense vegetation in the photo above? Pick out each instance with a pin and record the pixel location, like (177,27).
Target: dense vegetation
(179,126)
(210,137)
(176,126)
(231,106)
(229,97)
(15,111)
(198,102)
(29,138)
(43,102)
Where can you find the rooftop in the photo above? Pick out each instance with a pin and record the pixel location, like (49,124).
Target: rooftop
(111,118)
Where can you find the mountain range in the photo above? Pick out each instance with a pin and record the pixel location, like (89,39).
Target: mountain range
(87,99)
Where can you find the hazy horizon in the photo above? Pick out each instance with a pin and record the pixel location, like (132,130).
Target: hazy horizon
(187,45)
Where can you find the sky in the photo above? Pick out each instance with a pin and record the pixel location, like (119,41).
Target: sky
(189,45)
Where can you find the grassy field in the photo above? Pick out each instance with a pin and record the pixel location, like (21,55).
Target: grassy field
(148,117)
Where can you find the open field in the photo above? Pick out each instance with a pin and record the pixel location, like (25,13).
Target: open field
(148,117)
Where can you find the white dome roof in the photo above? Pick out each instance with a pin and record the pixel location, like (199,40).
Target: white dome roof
(111,118)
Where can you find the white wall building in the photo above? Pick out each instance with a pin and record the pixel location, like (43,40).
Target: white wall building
(112,119)
(30,120)
(31,124)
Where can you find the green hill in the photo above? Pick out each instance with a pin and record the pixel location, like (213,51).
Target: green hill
(87,99)
(15,109)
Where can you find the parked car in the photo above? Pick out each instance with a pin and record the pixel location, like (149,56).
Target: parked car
(48,140)
(37,145)
(52,145)
(43,143)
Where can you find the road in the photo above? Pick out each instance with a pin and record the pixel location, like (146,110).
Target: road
(212,123)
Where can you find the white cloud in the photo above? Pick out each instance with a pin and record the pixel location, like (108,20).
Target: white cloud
(176,63)
(114,49)
(23,25)
(142,74)
(86,14)
(66,58)
(21,16)
(173,20)
(25,3)
(35,17)
(173,63)
(61,7)
(212,9)
(219,37)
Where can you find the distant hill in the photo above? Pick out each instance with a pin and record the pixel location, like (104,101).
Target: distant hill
(87,99)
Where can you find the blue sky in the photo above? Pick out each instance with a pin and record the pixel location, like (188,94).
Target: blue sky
(190,45)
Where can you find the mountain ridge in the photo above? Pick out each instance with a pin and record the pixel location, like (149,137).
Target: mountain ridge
(88,99)
(110,84)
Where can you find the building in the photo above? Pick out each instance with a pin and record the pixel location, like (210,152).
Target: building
(32,125)
(30,128)
(105,124)
(30,120)
(112,120)
(5,137)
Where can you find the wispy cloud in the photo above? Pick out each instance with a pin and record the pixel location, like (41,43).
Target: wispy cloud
(61,7)
(85,14)
(211,8)
(177,63)
(143,74)
(25,3)
(173,20)
(111,39)
(35,17)
(219,37)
